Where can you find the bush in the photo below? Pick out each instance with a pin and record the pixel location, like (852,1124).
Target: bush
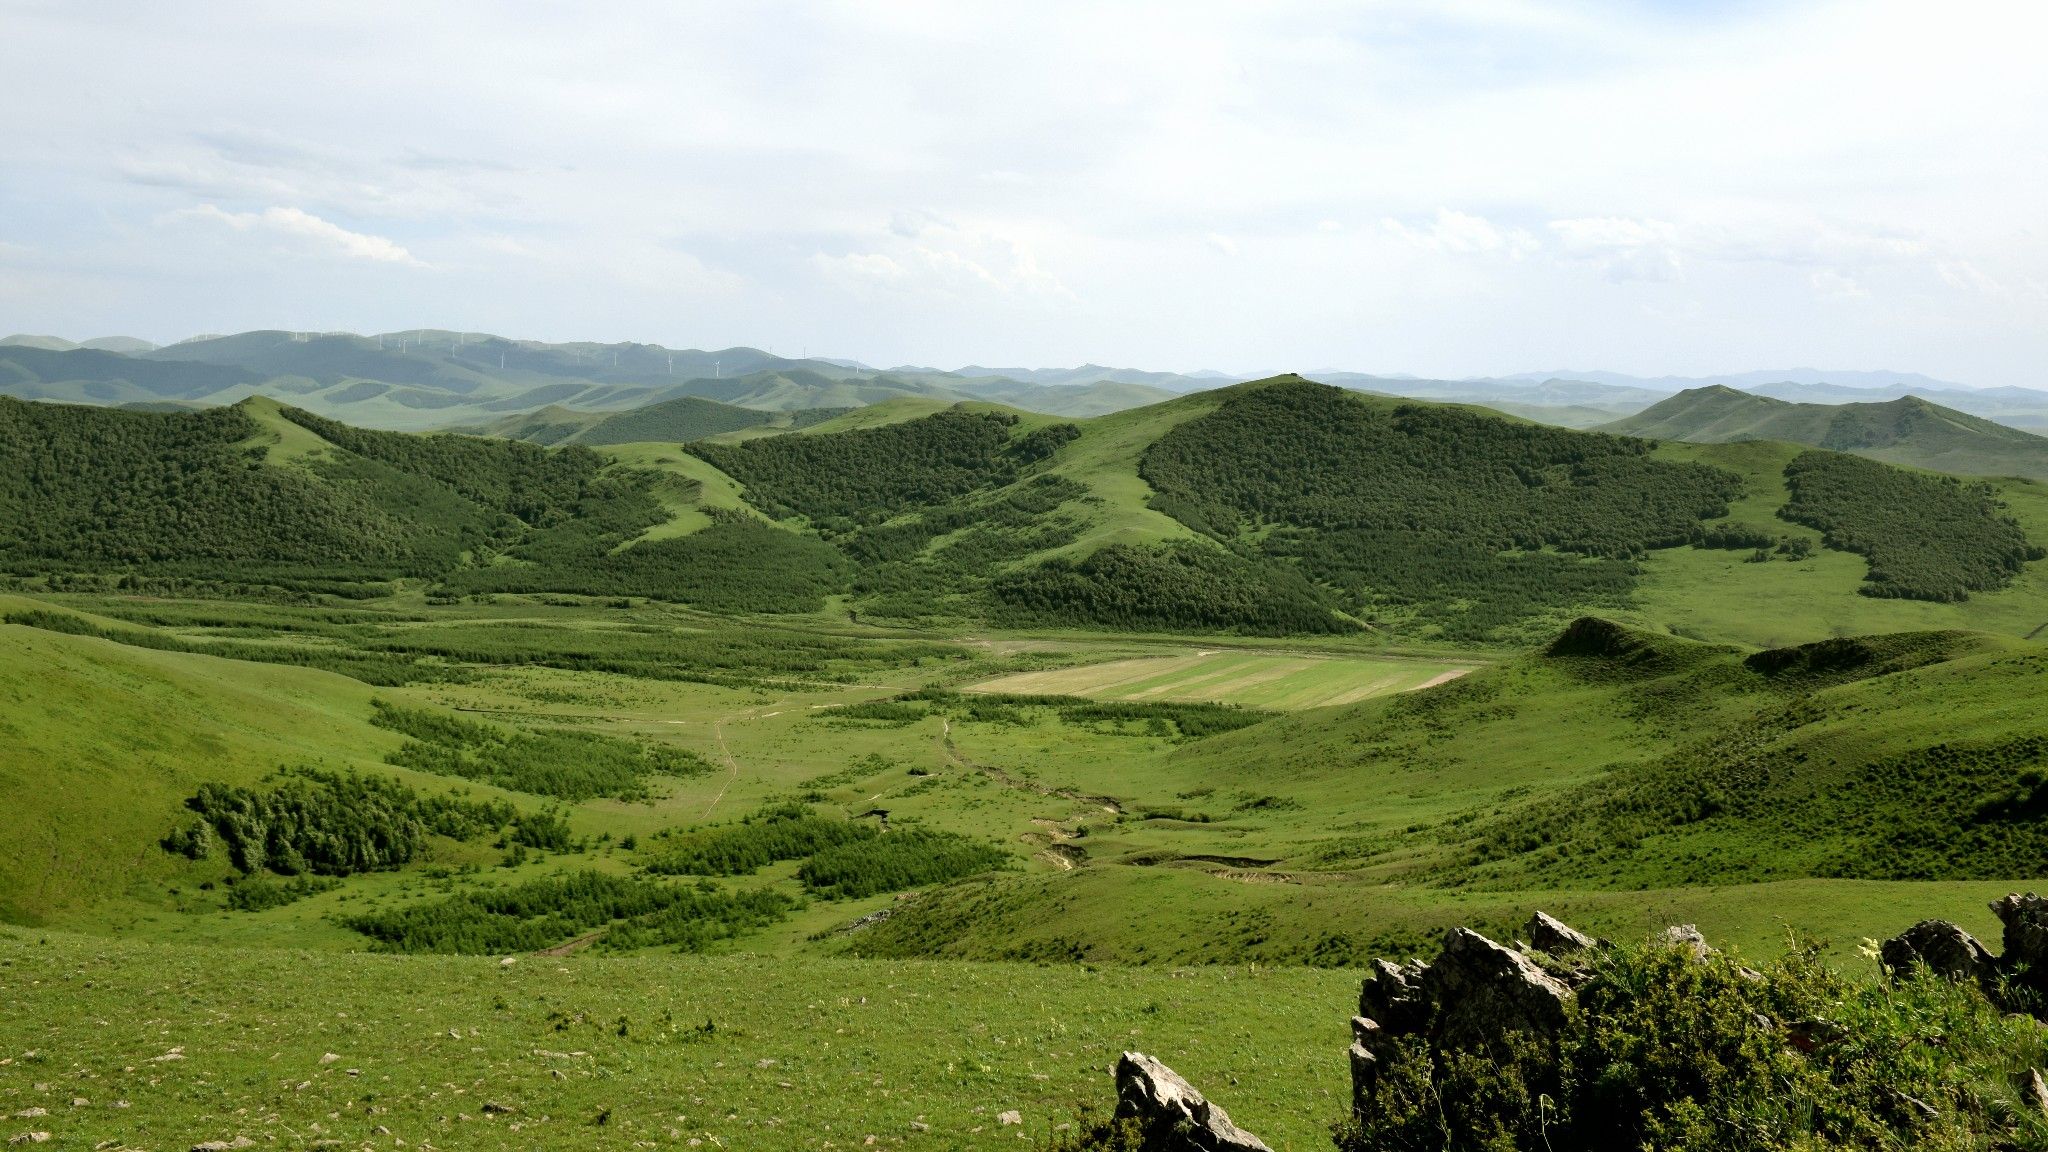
(260,892)
(1667,1051)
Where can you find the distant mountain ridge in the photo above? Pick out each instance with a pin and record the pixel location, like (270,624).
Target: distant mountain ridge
(1909,430)
(436,378)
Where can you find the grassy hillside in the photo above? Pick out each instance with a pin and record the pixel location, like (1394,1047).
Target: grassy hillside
(1908,431)
(673,421)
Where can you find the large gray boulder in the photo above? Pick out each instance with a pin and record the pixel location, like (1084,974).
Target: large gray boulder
(1393,996)
(1945,949)
(1481,991)
(1176,1117)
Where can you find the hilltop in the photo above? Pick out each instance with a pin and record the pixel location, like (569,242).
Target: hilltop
(1908,430)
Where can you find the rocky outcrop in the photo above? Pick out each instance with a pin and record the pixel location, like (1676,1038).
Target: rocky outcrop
(2026,937)
(1176,1118)
(1549,934)
(1945,949)
(1474,994)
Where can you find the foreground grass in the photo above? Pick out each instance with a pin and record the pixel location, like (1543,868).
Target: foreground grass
(167,1046)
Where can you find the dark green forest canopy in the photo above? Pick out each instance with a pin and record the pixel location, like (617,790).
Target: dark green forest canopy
(97,488)
(1926,537)
(1422,506)
(869,475)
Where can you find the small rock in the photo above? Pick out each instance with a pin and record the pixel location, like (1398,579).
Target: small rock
(1549,934)
(1945,949)
(1685,936)
(1011,1117)
(329,1058)
(2037,1090)
(79,1102)
(495,1108)
(29,1138)
(508,961)
(31,1113)
(1158,1098)
(919,1126)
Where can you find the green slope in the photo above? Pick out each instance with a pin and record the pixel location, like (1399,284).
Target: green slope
(1909,431)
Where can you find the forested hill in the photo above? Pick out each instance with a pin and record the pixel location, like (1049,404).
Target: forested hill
(1275,507)
(257,494)
(1908,430)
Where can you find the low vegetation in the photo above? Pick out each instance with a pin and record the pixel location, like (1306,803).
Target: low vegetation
(894,861)
(781,832)
(1668,1050)
(554,910)
(559,762)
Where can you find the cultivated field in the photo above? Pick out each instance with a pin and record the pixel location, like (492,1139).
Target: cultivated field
(1279,681)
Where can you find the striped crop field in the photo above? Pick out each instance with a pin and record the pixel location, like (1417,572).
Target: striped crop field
(1282,681)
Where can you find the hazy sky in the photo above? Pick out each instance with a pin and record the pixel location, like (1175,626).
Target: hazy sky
(1443,188)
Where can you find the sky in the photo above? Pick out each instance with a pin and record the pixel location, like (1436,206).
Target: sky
(1445,188)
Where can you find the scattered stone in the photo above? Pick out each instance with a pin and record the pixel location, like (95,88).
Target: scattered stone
(31,1113)
(1157,1097)
(329,1058)
(1945,949)
(508,961)
(919,1126)
(1549,934)
(29,1138)
(492,1107)
(1011,1117)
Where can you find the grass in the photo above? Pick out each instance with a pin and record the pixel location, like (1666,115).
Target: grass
(1277,681)
(587,1052)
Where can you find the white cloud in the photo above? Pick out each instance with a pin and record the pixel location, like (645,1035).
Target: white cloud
(633,177)
(1623,248)
(322,234)
(1830,284)
(1460,232)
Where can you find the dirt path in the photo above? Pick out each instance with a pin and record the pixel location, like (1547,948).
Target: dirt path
(952,754)
(732,763)
(579,943)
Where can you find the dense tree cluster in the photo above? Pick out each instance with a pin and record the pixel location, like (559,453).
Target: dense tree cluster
(99,488)
(1926,537)
(560,762)
(538,486)
(1429,509)
(781,832)
(894,861)
(870,475)
(540,913)
(324,823)
(1186,586)
(737,564)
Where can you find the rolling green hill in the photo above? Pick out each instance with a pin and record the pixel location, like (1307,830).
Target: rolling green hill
(1272,507)
(1909,431)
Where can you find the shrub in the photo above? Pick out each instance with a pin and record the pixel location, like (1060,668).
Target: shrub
(1664,1050)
